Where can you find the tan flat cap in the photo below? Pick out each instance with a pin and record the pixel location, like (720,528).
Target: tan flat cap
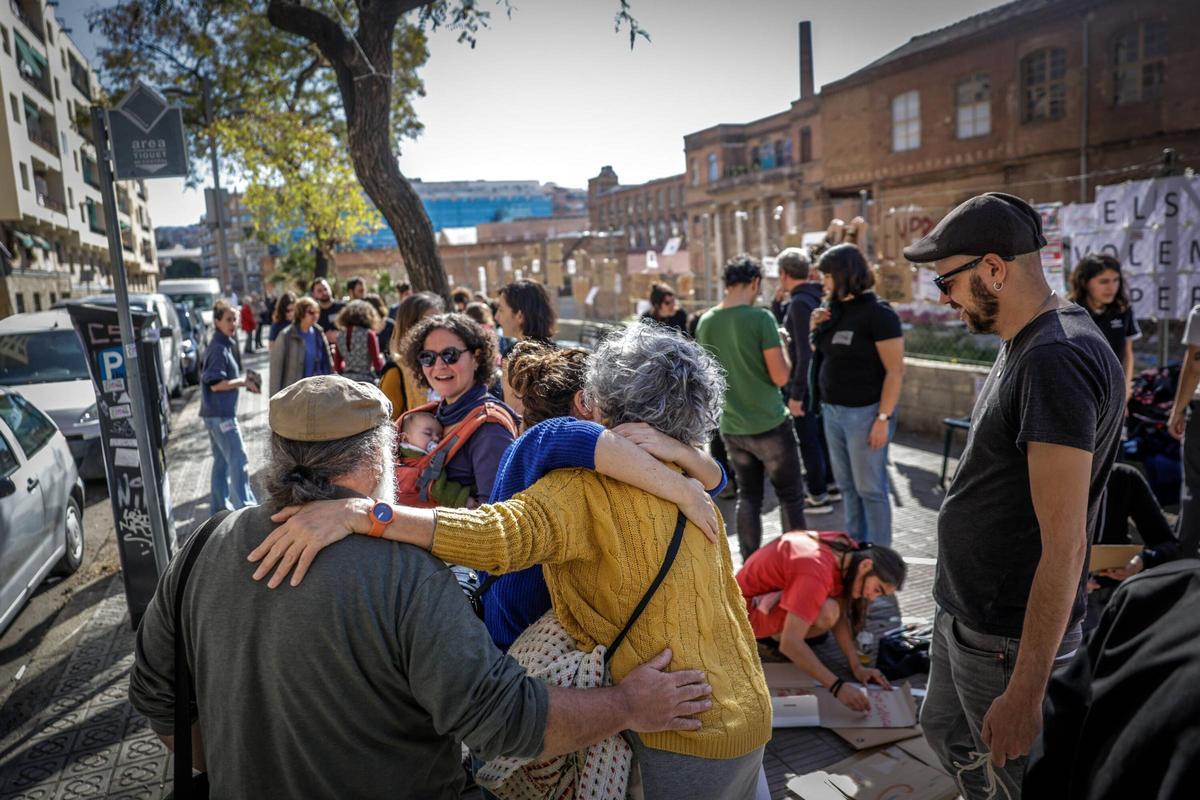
(328,407)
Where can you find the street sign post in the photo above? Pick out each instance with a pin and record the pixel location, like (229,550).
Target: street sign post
(141,138)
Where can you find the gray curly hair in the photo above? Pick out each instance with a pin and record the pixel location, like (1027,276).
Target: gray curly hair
(652,374)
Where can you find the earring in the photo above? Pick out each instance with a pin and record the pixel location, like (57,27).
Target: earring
(997,286)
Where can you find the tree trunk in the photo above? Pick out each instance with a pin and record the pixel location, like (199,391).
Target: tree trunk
(363,66)
(323,261)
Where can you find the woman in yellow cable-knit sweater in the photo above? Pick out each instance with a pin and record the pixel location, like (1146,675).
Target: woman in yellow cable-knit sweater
(601,543)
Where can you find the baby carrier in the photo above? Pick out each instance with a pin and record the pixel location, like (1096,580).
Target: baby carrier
(416,476)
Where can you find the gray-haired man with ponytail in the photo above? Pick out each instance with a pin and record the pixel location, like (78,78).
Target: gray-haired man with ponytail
(365,681)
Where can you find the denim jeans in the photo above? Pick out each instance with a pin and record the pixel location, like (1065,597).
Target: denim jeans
(968,670)
(860,470)
(775,454)
(230,476)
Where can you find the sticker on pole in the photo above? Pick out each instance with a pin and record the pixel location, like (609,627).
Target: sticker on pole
(147,136)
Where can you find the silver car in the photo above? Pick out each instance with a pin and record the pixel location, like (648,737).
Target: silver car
(41,503)
(42,357)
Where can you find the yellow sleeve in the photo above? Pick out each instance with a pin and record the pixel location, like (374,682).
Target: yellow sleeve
(549,523)
(390,385)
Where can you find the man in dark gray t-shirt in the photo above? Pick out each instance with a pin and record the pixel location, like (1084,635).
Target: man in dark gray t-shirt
(364,681)
(1014,529)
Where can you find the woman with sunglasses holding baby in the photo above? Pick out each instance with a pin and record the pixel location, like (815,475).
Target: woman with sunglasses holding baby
(453,355)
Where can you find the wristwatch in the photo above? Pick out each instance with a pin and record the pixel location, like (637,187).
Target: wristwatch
(382,515)
(882,417)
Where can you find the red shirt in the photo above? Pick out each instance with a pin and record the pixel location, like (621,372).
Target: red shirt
(248,321)
(804,573)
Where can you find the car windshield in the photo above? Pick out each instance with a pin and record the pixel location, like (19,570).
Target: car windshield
(41,357)
(201,302)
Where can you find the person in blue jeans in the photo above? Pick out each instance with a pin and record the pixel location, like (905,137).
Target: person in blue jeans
(219,383)
(859,364)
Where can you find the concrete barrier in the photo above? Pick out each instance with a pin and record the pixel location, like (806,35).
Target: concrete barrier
(934,390)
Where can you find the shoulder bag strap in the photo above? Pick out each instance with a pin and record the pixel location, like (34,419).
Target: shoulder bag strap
(672,550)
(183,675)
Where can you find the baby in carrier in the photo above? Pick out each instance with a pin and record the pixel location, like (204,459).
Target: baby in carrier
(420,433)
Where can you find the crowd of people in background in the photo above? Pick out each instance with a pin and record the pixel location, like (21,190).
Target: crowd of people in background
(574,496)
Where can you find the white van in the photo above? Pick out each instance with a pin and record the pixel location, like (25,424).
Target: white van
(201,293)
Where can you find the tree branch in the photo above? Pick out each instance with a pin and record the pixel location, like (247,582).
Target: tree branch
(319,29)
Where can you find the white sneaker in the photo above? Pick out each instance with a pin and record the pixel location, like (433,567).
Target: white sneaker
(818,505)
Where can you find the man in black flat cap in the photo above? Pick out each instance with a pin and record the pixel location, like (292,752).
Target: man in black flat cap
(1015,526)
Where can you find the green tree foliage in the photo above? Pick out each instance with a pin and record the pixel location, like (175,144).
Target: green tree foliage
(346,65)
(298,179)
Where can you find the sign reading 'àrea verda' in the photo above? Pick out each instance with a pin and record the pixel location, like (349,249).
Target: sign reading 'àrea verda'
(147,137)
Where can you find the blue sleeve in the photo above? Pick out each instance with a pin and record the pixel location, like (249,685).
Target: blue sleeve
(720,487)
(557,443)
(485,450)
(216,366)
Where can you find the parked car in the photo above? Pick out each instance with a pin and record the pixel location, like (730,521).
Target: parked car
(42,358)
(202,293)
(193,341)
(167,329)
(41,503)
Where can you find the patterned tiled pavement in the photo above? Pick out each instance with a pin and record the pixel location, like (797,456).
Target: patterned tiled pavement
(87,742)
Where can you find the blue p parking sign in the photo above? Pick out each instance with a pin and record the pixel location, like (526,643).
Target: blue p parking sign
(112,363)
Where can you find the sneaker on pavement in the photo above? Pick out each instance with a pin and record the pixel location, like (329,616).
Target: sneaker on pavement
(834,493)
(818,505)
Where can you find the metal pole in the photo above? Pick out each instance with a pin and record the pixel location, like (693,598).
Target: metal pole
(133,363)
(218,201)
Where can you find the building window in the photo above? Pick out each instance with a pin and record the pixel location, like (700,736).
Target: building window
(20,303)
(805,145)
(695,173)
(37,302)
(16,108)
(24,177)
(4,39)
(70,197)
(53,298)
(1139,61)
(712,167)
(906,121)
(974,105)
(57,93)
(1043,86)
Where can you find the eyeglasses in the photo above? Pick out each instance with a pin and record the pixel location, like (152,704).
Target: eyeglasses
(941,281)
(450,355)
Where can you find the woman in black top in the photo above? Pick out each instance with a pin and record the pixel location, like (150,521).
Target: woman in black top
(664,310)
(523,311)
(1097,285)
(859,365)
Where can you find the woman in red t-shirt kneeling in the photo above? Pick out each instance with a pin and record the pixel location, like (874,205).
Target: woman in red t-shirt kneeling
(806,583)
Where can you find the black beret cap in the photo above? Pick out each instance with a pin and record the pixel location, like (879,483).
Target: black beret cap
(988,223)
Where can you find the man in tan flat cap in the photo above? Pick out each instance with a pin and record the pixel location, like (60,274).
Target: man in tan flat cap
(364,681)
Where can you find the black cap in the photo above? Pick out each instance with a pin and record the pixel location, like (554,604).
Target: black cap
(988,223)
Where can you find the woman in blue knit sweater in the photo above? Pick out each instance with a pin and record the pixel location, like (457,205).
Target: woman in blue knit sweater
(559,435)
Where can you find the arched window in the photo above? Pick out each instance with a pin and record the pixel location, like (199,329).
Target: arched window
(1043,85)
(1139,62)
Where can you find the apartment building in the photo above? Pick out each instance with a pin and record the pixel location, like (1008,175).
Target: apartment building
(52,222)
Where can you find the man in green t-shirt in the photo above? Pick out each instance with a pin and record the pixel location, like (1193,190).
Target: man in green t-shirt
(755,424)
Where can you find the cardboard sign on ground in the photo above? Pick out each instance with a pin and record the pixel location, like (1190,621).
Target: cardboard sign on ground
(880,775)
(866,738)
(919,749)
(798,702)
(1111,556)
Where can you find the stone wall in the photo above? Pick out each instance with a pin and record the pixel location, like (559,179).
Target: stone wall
(934,390)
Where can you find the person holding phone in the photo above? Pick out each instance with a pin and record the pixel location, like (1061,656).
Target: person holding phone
(219,383)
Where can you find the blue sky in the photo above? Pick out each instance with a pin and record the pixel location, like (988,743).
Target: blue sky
(554,94)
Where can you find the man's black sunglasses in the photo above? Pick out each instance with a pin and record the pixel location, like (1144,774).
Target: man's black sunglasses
(450,355)
(940,281)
